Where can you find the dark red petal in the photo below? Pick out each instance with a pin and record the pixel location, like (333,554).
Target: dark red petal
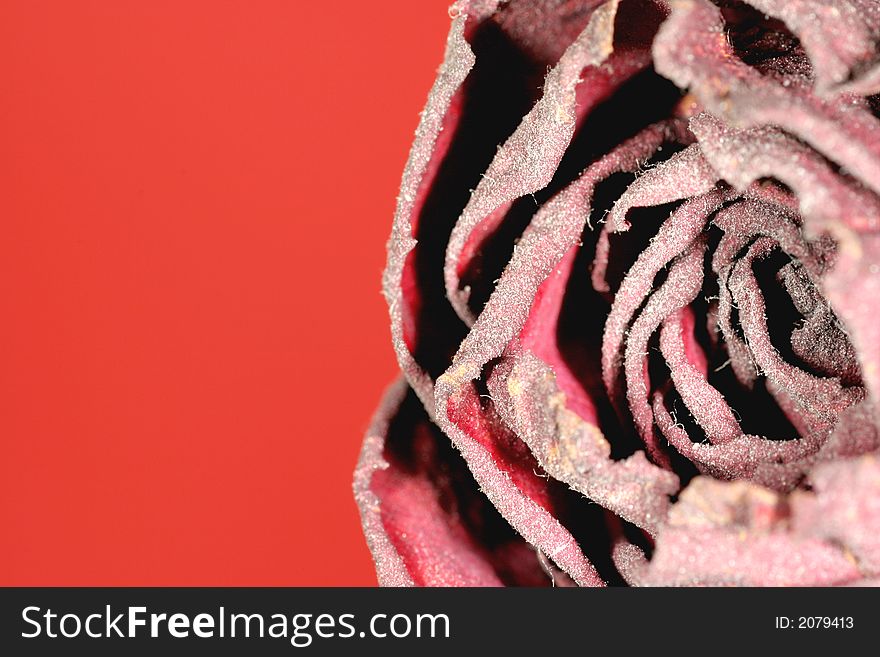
(742,222)
(741,360)
(553,232)
(512,483)
(820,341)
(704,402)
(745,220)
(777,464)
(505,470)
(820,399)
(432,140)
(390,567)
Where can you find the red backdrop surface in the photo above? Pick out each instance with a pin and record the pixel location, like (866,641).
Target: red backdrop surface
(194,202)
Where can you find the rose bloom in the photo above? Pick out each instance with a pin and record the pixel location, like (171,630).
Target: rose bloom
(632,281)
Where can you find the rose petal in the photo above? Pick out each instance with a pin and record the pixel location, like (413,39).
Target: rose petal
(425,522)
(705,403)
(736,533)
(684,175)
(844,509)
(692,50)
(677,291)
(432,141)
(675,235)
(820,399)
(553,232)
(853,287)
(529,158)
(508,476)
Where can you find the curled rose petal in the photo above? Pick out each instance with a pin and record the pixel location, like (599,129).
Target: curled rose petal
(678,290)
(552,233)
(821,398)
(432,141)
(684,175)
(674,237)
(508,477)
(706,403)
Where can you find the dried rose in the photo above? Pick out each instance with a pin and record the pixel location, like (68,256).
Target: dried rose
(631,281)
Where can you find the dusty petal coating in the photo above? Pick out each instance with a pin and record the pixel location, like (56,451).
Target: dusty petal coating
(632,279)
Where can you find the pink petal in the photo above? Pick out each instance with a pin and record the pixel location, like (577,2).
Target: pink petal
(684,175)
(675,235)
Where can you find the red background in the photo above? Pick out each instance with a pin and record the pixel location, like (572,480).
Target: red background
(194,202)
